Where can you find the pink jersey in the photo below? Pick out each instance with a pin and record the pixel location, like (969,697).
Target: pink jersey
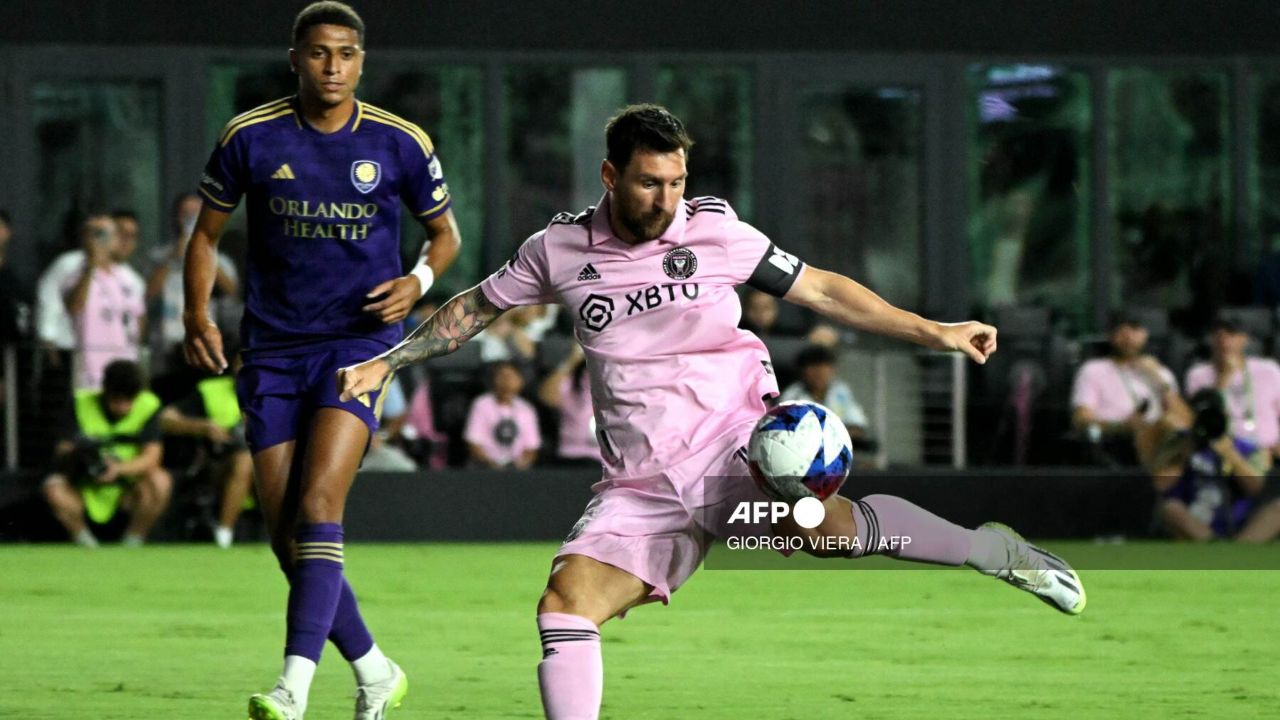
(577,422)
(670,370)
(503,432)
(1114,393)
(1254,406)
(108,326)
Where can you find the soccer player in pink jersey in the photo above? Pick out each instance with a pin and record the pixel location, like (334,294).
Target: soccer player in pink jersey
(649,278)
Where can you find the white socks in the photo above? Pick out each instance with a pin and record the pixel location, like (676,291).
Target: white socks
(371,668)
(297,676)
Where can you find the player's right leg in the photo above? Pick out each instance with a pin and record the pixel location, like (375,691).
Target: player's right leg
(888,525)
(582,593)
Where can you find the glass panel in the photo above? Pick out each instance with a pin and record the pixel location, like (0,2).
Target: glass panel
(444,101)
(860,187)
(715,104)
(98,145)
(1264,196)
(1029,185)
(1169,169)
(554,129)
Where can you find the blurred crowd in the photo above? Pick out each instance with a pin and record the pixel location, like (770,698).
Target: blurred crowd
(126,429)
(123,423)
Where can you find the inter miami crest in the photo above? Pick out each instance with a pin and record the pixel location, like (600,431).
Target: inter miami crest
(365,175)
(680,264)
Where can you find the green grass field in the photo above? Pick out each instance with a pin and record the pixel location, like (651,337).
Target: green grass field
(189,632)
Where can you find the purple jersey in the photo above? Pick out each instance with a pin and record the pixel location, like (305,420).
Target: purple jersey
(324,219)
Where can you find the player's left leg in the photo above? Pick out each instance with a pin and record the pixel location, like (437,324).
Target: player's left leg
(888,525)
(145,502)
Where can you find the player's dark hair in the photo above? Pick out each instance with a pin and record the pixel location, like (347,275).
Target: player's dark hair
(327,12)
(4,217)
(644,127)
(124,214)
(815,355)
(122,379)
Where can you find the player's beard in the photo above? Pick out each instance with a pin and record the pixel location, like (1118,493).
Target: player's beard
(645,226)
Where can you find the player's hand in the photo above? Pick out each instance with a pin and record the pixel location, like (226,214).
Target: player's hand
(203,344)
(975,339)
(356,380)
(401,294)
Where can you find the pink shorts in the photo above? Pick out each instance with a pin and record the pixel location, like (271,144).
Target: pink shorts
(658,528)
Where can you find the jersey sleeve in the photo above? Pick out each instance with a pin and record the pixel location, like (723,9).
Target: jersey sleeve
(423,189)
(524,279)
(224,179)
(755,261)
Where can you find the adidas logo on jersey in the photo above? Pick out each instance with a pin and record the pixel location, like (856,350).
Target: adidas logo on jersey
(588,273)
(284,173)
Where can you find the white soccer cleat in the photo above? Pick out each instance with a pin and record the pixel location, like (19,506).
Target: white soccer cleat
(1039,572)
(275,705)
(374,700)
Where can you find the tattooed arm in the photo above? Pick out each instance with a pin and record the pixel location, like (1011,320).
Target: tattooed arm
(459,320)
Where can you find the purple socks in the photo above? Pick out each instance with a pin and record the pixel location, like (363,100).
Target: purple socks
(315,589)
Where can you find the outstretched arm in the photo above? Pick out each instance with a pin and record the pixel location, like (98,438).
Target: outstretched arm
(843,300)
(456,322)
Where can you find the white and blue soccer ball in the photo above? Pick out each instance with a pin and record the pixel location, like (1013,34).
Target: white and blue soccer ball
(798,450)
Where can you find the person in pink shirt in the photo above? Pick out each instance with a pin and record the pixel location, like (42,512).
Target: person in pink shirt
(1250,386)
(649,279)
(1120,402)
(502,427)
(106,301)
(567,389)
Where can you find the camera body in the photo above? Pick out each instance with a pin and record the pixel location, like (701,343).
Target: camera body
(1210,417)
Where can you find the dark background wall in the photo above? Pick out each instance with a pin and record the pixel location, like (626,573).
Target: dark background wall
(1148,27)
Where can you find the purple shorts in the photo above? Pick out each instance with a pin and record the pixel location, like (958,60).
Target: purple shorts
(278,395)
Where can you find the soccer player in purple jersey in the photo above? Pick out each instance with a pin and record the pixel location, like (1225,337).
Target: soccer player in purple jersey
(649,278)
(324,176)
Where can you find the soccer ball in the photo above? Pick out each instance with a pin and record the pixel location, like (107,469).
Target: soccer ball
(799,449)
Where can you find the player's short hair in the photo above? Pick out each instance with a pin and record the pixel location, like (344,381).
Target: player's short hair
(815,355)
(122,379)
(644,127)
(326,12)
(124,214)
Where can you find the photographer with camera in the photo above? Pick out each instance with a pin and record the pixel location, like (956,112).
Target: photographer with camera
(211,415)
(1250,386)
(111,461)
(1119,402)
(1213,484)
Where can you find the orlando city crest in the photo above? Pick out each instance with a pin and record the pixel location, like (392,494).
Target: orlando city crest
(680,264)
(365,175)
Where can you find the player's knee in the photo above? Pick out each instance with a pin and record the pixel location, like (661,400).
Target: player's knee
(159,482)
(568,602)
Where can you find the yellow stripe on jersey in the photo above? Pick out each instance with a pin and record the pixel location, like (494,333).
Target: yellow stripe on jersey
(232,132)
(437,207)
(359,115)
(216,201)
(409,128)
(244,117)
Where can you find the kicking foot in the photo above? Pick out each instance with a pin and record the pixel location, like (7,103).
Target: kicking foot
(1039,572)
(275,705)
(374,700)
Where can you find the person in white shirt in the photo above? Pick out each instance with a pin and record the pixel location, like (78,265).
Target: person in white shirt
(818,383)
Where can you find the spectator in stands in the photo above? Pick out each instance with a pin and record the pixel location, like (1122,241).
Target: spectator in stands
(110,460)
(759,313)
(10,288)
(211,415)
(1213,483)
(502,427)
(818,383)
(384,445)
(128,232)
(568,389)
(164,281)
(507,337)
(1115,397)
(1250,386)
(105,300)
